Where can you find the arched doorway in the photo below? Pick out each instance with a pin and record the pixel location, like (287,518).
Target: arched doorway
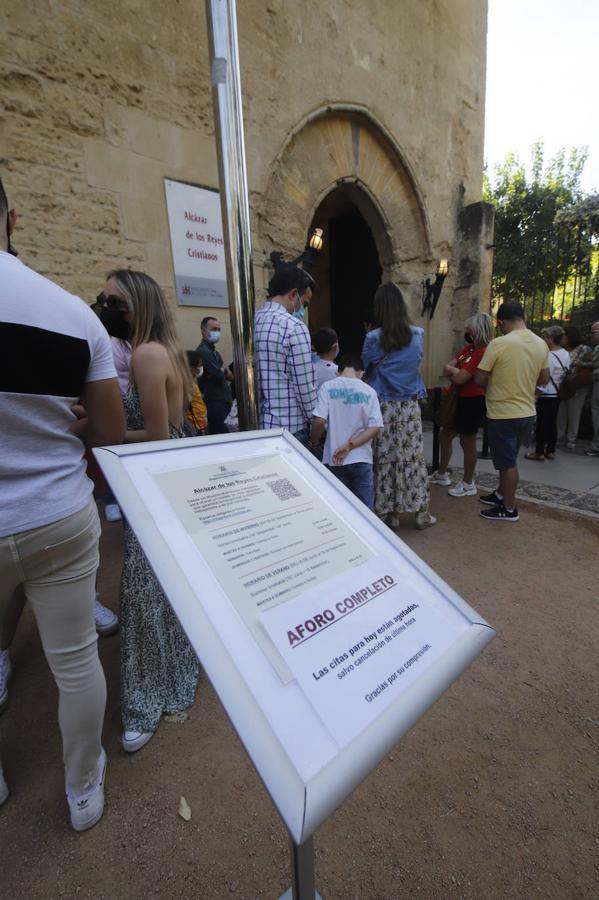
(350,267)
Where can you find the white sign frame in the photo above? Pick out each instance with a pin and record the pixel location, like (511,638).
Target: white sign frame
(197,244)
(303,803)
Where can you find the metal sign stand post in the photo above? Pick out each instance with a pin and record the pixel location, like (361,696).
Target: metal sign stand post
(302,885)
(228,119)
(230,149)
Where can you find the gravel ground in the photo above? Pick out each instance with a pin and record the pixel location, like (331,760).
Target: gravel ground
(493,794)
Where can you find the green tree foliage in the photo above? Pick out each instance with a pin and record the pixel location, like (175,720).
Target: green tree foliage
(583,214)
(535,251)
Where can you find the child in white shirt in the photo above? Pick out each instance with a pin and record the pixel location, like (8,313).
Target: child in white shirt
(349,411)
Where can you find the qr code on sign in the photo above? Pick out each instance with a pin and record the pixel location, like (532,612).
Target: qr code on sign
(283,488)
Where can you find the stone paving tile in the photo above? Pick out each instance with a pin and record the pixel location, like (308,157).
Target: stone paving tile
(547,492)
(542,493)
(587,502)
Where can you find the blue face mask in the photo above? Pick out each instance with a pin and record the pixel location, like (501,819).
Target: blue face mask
(214,337)
(299,314)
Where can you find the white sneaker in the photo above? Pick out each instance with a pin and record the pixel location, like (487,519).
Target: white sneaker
(5,675)
(106,621)
(112,511)
(442,478)
(463,489)
(3,788)
(87,808)
(135,740)
(424,520)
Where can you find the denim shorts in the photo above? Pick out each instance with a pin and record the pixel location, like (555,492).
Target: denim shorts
(506,436)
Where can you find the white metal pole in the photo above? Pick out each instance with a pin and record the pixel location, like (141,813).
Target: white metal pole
(228,120)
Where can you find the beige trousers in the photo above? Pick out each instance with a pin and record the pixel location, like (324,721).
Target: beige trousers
(568,417)
(56,564)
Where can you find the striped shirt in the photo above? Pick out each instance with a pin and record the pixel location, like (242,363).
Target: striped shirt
(285,369)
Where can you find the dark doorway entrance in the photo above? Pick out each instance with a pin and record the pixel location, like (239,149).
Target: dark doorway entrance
(355,274)
(348,270)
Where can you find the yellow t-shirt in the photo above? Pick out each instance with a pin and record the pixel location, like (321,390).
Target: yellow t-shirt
(514,362)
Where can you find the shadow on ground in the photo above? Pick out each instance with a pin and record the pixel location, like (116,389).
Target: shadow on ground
(493,794)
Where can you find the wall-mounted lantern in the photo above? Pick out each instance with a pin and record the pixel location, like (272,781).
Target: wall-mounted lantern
(312,249)
(431,290)
(308,257)
(316,240)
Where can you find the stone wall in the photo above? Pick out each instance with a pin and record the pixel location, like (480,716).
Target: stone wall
(100,101)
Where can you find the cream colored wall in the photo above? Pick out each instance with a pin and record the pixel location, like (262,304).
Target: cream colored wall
(420,68)
(101,101)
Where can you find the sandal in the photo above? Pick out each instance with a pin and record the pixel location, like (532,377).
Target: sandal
(538,457)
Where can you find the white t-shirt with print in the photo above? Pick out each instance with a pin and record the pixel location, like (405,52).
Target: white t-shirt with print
(324,370)
(52,344)
(348,406)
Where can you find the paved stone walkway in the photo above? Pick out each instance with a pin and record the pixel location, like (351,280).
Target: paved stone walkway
(570,481)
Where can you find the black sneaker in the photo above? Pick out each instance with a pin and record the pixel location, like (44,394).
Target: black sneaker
(500,514)
(492,499)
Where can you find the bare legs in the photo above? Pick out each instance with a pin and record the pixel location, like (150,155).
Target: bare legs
(468,443)
(508,482)
(445,441)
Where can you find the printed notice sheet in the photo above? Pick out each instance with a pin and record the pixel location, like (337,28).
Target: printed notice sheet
(264,532)
(357,645)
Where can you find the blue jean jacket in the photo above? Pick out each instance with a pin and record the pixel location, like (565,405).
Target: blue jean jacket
(397,375)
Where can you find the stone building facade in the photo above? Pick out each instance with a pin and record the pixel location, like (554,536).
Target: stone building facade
(363,119)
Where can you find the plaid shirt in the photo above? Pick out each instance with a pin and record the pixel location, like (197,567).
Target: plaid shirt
(285,369)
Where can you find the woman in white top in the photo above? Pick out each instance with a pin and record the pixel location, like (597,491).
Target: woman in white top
(548,395)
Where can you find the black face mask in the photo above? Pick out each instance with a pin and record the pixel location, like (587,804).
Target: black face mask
(114,322)
(468,338)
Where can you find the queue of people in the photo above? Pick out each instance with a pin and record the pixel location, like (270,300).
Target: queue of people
(531,388)
(49,525)
(122,376)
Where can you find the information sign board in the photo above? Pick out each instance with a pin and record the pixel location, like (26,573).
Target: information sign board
(196,230)
(325,636)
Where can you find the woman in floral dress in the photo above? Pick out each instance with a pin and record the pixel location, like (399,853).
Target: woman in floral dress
(159,670)
(392,354)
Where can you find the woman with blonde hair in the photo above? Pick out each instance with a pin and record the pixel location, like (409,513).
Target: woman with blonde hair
(470,407)
(392,354)
(159,670)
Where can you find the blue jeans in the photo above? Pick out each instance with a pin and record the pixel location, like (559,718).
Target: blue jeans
(359,478)
(302,435)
